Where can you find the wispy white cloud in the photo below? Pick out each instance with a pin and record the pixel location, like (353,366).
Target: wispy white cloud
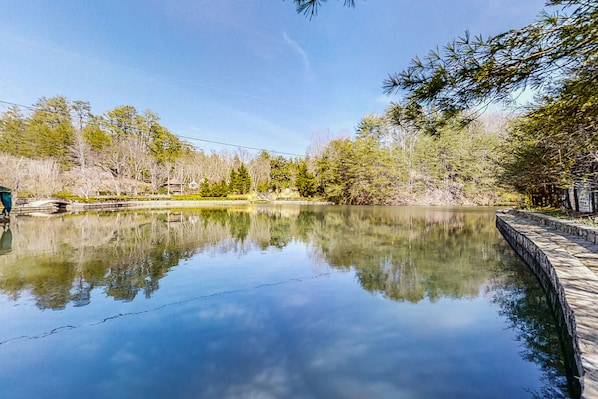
(302,54)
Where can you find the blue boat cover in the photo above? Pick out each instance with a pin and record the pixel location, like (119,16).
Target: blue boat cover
(6,198)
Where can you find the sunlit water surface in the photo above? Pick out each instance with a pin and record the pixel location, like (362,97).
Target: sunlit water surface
(273,302)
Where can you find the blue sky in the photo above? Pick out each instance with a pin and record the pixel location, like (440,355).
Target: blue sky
(247,72)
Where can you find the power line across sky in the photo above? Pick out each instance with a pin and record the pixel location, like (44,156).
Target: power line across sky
(252,72)
(221,143)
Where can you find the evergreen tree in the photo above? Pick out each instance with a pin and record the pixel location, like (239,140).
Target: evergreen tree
(13,133)
(50,130)
(305,181)
(473,70)
(371,181)
(281,174)
(243,180)
(233,182)
(334,172)
(220,189)
(310,7)
(205,189)
(372,125)
(164,146)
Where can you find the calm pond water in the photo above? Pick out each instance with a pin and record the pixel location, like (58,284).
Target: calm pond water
(273,302)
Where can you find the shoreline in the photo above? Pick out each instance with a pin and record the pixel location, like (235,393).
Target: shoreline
(51,206)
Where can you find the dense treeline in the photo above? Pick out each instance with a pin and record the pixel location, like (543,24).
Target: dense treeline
(61,147)
(387,164)
(552,151)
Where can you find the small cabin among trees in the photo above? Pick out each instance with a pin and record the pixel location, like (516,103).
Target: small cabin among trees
(174,186)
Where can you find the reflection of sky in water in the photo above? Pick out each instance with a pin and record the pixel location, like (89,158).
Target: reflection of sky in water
(271,323)
(305,337)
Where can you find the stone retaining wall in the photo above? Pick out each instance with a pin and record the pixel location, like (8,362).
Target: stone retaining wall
(543,268)
(588,233)
(573,284)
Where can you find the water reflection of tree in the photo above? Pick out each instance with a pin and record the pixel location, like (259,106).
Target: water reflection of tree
(63,260)
(538,326)
(405,256)
(5,239)
(239,225)
(411,256)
